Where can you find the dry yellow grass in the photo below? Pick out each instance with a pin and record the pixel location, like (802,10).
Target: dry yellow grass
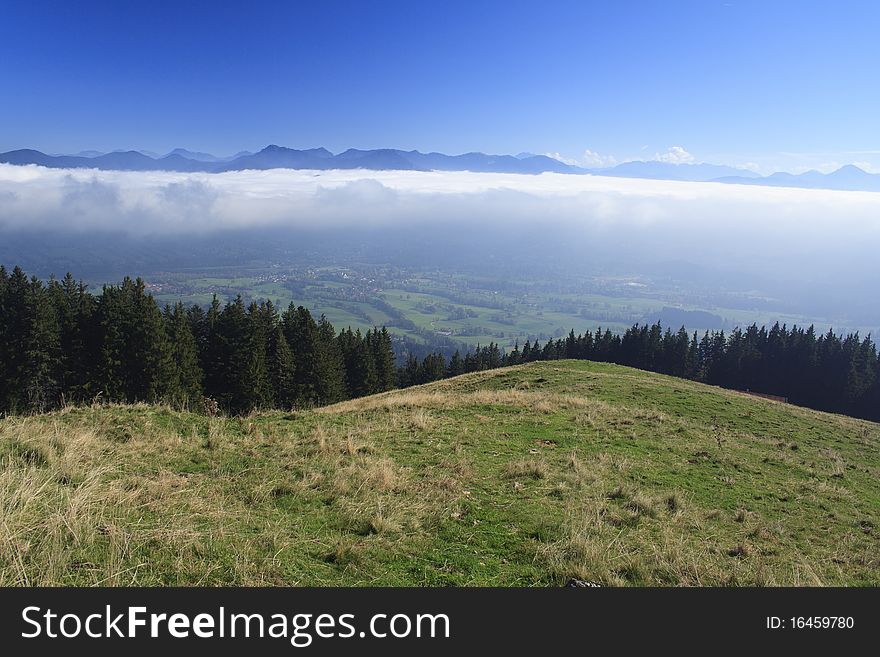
(54,502)
(81,503)
(420,399)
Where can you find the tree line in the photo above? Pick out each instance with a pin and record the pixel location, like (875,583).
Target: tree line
(828,372)
(59,343)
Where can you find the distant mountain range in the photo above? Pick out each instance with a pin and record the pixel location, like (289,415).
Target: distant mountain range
(279,157)
(669,171)
(848,177)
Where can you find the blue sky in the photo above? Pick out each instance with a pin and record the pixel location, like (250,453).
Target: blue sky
(779,85)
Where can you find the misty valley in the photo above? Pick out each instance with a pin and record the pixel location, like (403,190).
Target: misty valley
(439,292)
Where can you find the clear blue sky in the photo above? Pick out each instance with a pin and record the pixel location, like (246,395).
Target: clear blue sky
(791,84)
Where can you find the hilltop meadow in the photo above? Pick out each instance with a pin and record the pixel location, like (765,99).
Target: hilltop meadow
(533,475)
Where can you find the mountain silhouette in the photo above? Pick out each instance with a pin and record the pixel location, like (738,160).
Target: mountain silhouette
(849,177)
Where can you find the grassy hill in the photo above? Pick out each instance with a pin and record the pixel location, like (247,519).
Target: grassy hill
(529,475)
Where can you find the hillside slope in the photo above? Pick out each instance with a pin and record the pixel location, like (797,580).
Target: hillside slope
(530,475)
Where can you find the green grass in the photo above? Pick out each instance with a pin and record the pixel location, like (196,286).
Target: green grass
(526,476)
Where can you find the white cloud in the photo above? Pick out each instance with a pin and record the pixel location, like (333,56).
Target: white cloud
(675,155)
(563,159)
(590,159)
(594,159)
(706,221)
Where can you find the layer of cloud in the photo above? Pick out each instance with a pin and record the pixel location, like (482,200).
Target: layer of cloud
(685,220)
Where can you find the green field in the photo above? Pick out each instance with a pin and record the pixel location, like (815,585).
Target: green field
(470,309)
(526,476)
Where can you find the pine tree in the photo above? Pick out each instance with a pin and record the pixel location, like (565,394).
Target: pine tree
(16,326)
(301,333)
(229,362)
(330,365)
(409,373)
(514,357)
(360,367)
(456,364)
(5,338)
(213,354)
(281,370)
(383,358)
(433,368)
(692,360)
(42,350)
(135,361)
(185,387)
(198,326)
(256,386)
(75,310)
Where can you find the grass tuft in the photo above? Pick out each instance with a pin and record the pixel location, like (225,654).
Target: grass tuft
(526,468)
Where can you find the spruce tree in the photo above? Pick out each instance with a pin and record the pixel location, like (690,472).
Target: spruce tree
(16,327)
(256,386)
(185,387)
(229,362)
(42,350)
(301,333)
(432,368)
(360,367)
(515,358)
(383,358)
(214,351)
(135,358)
(456,364)
(409,373)
(75,310)
(281,370)
(329,366)
(5,375)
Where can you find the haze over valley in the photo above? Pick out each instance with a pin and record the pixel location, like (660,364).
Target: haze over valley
(521,256)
